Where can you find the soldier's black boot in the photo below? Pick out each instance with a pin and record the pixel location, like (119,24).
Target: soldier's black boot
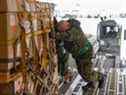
(89,88)
(85,89)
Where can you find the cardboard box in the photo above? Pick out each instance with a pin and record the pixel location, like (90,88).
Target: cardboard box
(7,57)
(12,87)
(9,28)
(8,6)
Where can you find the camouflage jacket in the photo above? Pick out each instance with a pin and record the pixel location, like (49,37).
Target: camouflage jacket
(75,41)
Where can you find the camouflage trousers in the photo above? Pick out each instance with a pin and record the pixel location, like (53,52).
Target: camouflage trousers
(86,71)
(84,66)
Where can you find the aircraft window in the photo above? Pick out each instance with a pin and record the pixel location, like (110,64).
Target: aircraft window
(107,29)
(116,29)
(124,34)
(110,32)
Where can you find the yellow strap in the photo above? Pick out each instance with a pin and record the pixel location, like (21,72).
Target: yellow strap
(12,40)
(8,42)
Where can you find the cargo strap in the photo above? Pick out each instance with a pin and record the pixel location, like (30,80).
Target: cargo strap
(10,60)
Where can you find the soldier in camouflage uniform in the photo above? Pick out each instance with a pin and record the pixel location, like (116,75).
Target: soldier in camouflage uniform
(63,55)
(76,43)
(62,59)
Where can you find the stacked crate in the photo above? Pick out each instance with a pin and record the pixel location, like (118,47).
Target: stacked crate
(26,49)
(9,29)
(9,50)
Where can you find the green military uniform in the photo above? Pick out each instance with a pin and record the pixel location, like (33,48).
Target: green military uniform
(62,59)
(77,44)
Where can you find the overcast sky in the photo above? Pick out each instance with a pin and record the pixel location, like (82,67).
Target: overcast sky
(93,7)
(108,6)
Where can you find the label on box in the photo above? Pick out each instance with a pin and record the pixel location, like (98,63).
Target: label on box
(34,23)
(26,25)
(27,6)
(13,22)
(18,85)
(12,19)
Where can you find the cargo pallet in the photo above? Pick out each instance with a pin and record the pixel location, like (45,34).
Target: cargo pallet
(28,59)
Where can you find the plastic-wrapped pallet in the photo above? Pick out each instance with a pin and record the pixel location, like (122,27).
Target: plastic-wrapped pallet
(39,24)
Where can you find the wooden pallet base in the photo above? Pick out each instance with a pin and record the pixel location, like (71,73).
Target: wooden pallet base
(10,84)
